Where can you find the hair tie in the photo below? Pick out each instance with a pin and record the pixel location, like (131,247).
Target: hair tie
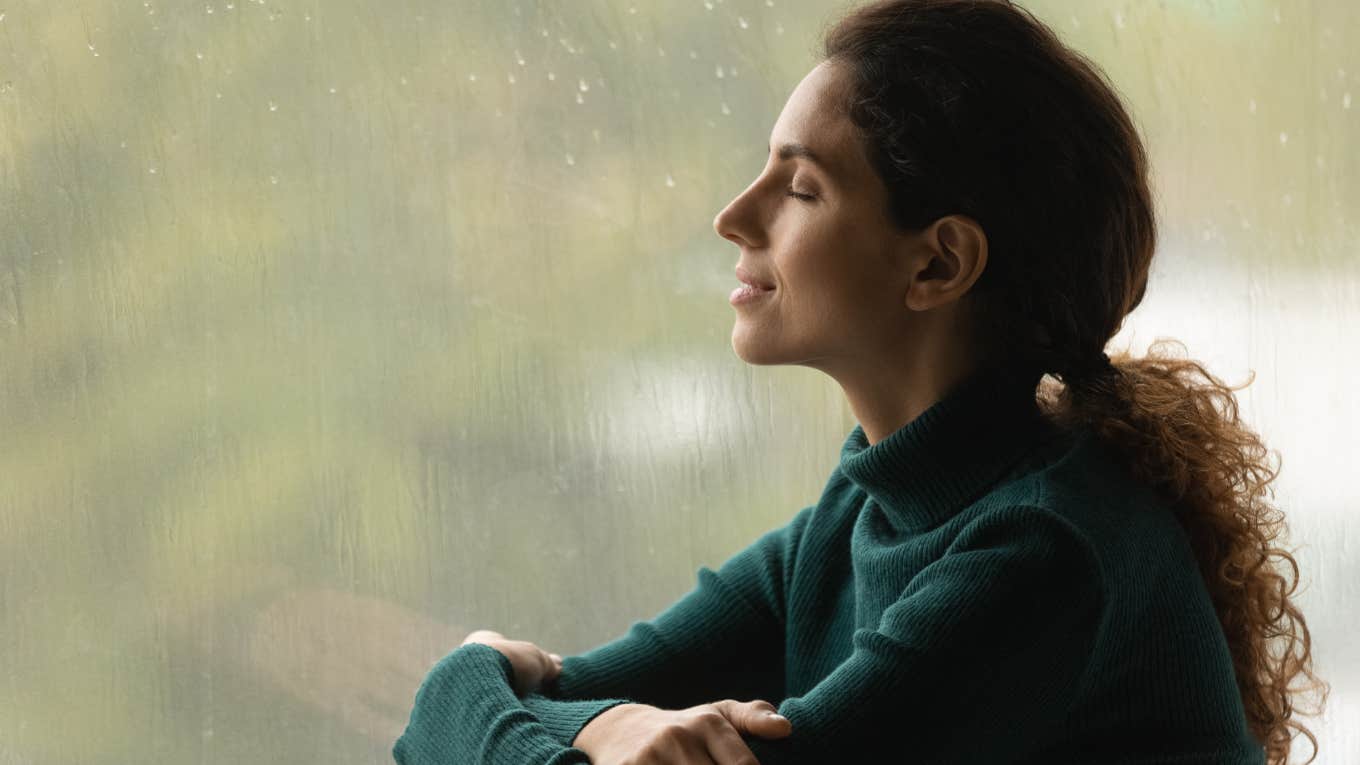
(1098,366)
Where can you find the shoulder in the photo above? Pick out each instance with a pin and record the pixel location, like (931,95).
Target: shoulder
(1032,529)
(1091,487)
(1033,544)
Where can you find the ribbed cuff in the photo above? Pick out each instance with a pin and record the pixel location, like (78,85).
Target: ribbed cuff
(564,719)
(466,711)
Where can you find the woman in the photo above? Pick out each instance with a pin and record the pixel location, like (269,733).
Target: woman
(1000,568)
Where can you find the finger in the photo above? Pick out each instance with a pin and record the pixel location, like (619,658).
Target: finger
(725,746)
(763,719)
(551,666)
(690,749)
(758,718)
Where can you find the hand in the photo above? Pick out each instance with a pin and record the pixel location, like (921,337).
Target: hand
(707,734)
(532,665)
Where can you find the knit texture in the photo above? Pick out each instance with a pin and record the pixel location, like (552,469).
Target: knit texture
(979,586)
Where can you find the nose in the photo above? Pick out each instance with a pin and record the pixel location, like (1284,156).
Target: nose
(725,223)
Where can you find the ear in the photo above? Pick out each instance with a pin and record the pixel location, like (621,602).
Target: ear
(954,255)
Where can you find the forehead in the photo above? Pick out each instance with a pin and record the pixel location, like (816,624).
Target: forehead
(814,116)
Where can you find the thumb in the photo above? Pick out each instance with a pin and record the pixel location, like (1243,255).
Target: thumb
(757,718)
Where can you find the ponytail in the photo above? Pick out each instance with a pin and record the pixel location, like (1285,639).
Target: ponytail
(1177,427)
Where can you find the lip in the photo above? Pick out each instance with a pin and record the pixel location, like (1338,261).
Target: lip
(745,276)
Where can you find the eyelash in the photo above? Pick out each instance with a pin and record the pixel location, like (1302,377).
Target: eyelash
(804,197)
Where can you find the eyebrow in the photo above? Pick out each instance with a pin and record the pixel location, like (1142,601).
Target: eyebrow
(790,150)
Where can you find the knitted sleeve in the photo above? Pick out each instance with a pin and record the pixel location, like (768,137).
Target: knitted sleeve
(980,654)
(723,639)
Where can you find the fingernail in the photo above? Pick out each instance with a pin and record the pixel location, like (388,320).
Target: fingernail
(775,715)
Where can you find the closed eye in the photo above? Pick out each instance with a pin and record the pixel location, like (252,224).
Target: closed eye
(805,197)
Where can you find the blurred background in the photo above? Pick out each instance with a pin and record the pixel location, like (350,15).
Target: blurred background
(332,331)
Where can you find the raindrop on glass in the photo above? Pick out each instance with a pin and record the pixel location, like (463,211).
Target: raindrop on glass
(1284,138)
(199,56)
(580,99)
(742,23)
(769,3)
(273,107)
(708,5)
(719,72)
(519,59)
(152,170)
(1346,101)
(725,109)
(571,160)
(551,76)
(583,86)
(670,181)
(1251,106)
(332,90)
(510,77)
(274,179)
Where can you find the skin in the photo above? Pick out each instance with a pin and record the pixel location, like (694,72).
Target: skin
(531,666)
(875,308)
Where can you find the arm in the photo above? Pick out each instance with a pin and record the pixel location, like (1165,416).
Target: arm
(725,638)
(465,711)
(976,661)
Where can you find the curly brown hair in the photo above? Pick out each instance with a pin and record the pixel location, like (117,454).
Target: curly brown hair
(976,107)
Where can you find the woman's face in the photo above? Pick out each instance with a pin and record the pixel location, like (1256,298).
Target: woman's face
(840,270)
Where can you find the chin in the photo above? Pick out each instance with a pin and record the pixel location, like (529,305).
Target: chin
(749,349)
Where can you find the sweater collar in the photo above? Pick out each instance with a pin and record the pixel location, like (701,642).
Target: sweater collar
(952,453)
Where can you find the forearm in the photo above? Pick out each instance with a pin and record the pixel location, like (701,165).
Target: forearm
(466,711)
(710,644)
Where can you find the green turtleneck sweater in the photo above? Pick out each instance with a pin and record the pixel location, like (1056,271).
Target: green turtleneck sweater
(976,587)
